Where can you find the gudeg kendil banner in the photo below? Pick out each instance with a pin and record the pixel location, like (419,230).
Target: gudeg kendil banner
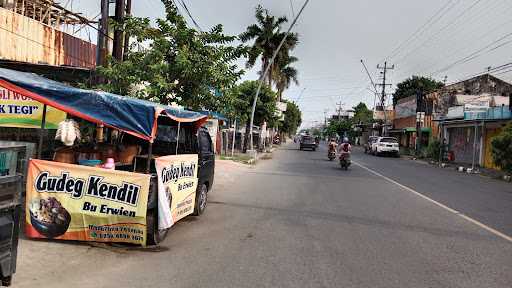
(177,184)
(74,202)
(20,111)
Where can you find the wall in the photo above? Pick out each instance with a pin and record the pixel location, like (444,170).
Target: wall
(405,108)
(26,40)
(461,142)
(488,160)
(482,84)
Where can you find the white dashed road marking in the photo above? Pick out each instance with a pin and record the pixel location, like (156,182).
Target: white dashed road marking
(476,222)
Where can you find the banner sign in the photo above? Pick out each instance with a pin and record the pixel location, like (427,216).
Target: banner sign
(73,202)
(20,111)
(177,183)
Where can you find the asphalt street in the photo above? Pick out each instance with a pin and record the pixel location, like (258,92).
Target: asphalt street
(298,220)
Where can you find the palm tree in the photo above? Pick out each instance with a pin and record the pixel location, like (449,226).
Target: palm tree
(267,35)
(284,74)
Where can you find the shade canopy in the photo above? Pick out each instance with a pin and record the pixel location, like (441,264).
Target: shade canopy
(134,116)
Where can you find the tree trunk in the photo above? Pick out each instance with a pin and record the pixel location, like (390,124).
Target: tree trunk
(270,78)
(247,138)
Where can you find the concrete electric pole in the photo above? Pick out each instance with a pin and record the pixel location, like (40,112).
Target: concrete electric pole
(382,106)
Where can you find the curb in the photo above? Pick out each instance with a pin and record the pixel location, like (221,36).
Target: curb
(462,169)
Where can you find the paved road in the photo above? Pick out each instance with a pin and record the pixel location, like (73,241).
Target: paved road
(299,221)
(482,198)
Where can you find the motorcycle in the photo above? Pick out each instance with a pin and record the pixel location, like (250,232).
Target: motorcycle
(345,160)
(331,155)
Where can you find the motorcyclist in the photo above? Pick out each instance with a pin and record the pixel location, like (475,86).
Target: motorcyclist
(344,148)
(332,148)
(332,145)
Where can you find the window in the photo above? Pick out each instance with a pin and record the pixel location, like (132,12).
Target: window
(205,142)
(388,140)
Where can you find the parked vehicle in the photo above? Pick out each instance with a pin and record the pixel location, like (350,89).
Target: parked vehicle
(191,143)
(307,142)
(368,145)
(277,140)
(385,145)
(164,169)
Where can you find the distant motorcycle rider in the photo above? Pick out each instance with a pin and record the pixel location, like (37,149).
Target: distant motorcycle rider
(344,148)
(332,145)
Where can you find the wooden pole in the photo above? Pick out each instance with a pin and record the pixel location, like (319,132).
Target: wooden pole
(234,139)
(178,137)
(117,50)
(41,133)
(126,36)
(150,155)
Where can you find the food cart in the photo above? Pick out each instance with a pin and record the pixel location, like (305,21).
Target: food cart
(109,181)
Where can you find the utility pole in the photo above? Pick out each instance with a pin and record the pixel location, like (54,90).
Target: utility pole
(128,12)
(117,50)
(382,106)
(339,104)
(420,117)
(102,32)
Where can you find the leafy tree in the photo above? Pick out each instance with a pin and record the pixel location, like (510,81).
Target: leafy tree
(241,98)
(362,114)
(176,64)
(292,118)
(267,35)
(411,86)
(501,148)
(284,74)
(340,128)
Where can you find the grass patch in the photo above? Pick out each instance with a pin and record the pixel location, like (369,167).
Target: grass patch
(241,158)
(266,156)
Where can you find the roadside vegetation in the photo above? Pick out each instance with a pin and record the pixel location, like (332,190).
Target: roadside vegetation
(174,64)
(502,149)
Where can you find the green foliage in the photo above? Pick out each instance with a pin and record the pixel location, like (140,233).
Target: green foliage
(433,149)
(284,74)
(174,63)
(411,86)
(315,132)
(501,148)
(292,118)
(267,35)
(340,128)
(362,115)
(241,98)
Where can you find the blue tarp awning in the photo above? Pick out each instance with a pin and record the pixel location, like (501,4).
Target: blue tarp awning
(135,116)
(214,115)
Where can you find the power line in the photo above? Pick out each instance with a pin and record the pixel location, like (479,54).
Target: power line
(456,38)
(475,53)
(293,9)
(433,36)
(184,5)
(464,47)
(421,28)
(504,72)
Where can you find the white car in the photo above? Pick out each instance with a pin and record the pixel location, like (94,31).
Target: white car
(385,145)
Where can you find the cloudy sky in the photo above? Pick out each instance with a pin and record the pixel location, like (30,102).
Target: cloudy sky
(438,38)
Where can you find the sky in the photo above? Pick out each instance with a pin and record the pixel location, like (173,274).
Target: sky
(436,38)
